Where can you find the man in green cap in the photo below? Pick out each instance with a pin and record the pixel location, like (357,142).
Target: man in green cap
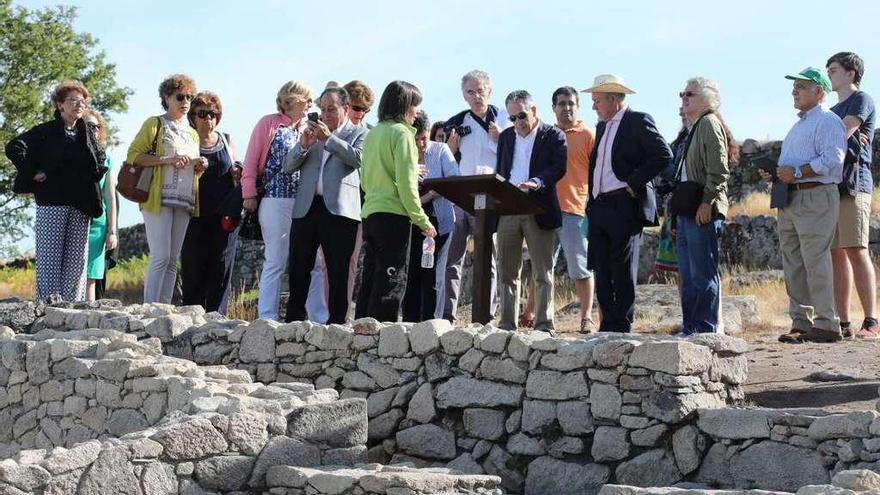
(810,164)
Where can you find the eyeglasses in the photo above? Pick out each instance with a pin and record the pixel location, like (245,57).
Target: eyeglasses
(358,108)
(688,94)
(204,114)
(184,96)
(519,116)
(77,102)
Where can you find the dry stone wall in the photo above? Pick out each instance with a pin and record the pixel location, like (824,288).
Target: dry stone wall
(97,411)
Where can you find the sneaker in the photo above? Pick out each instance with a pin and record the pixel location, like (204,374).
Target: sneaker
(870,329)
(821,336)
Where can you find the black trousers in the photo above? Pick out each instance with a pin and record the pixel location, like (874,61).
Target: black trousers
(383,280)
(336,236)
(420,299)
(614,239)
(205,267)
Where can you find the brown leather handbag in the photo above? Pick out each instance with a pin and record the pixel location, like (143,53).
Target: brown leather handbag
(133,182)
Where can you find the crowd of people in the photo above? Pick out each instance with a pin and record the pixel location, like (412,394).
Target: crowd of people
(326,193)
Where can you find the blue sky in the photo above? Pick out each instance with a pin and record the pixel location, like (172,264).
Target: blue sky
(244,51)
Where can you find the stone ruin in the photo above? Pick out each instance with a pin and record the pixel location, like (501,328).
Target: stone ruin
(155,399)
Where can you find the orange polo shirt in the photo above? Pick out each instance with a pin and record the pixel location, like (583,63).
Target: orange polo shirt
(572,188)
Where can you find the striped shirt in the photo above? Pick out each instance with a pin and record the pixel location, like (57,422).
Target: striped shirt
(818,139)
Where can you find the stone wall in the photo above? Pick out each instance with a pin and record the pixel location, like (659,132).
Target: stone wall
(526,407)
(108,413)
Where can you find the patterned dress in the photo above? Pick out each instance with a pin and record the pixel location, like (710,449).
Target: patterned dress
(277,183)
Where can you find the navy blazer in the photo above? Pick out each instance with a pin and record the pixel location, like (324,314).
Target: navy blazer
(638,154)
(548,162)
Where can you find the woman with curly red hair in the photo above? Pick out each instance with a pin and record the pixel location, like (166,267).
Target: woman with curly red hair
(174,187)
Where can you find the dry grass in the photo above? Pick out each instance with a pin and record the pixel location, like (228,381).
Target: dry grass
(756,203)
(242,304)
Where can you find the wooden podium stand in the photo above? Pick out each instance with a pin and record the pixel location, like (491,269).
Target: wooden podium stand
(482,196)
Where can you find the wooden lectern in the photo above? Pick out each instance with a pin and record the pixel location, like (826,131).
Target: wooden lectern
(483,196)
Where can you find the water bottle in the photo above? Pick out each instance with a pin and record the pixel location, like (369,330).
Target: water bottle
(428,252)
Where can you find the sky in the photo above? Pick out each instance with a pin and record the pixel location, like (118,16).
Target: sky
(245,50)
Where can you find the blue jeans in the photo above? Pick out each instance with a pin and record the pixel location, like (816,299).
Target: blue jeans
(698,262)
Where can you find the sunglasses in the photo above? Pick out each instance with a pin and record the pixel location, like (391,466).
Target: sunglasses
(689,94)
(519,116)
(358,108)
(204,114)
(183,96)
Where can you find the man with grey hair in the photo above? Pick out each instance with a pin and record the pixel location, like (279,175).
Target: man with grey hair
(531,155)
(811,164)
(629,153)
(473,138)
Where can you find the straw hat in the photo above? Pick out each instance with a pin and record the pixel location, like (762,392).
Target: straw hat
(608,83)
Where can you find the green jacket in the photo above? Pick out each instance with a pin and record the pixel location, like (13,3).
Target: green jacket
(389,175)
(706,161)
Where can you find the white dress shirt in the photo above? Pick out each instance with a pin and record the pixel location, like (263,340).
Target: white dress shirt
(478,148)
(604,178)
(522,157)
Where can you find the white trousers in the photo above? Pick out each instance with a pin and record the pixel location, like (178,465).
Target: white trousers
(276,216)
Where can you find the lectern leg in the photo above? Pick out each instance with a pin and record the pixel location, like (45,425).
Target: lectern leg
(482,262)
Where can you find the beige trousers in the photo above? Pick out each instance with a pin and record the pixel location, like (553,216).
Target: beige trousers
(512,229)
(806,229)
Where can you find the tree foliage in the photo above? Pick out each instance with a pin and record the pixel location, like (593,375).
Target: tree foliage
(38,49)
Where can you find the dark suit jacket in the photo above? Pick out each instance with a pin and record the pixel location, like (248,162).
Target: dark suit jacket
(549,156)
(638,154)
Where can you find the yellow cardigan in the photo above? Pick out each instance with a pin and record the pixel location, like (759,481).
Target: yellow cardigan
(141,145)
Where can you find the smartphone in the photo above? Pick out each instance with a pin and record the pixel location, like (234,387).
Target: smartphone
(313,117)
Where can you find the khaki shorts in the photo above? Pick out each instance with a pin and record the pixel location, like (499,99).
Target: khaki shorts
(853,224)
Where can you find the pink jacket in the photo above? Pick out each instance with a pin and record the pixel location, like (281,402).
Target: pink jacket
(258,151)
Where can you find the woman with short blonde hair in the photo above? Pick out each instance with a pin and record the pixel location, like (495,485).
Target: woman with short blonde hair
(272,137)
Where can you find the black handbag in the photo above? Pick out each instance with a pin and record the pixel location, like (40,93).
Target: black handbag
(687,195)
(250,227)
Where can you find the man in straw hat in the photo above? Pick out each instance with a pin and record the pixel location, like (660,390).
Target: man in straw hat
(628,154)
(811,164)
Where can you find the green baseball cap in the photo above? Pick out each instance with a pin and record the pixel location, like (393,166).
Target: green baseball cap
(814,75)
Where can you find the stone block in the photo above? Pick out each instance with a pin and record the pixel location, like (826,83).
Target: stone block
(522,444)
(506,370)
(258,342)
(605,402)
(610,444)
(574,417)
(421,406)
(202,439)
(280,451)
(537,415)
(674,358)
(112,472)
(550,476)
(778,466)
(487,424)
(648,437)
(458,340)
(688,446)
(849,425)
(338,424)
(653,468)
(424,337)
(427,441)
(462,391)
(554,385)
(393,341)
(224,473)
(736,424)
(857,479)
(247,432)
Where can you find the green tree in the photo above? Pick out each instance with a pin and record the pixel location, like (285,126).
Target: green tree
(38,49)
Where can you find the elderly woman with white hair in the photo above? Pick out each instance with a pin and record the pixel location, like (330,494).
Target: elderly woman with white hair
(270,191)
(699,204)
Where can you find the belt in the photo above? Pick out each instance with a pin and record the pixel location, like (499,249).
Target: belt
(610,194)
(803,186)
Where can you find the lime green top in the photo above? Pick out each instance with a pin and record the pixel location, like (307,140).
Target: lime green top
(141,145)
(389,174)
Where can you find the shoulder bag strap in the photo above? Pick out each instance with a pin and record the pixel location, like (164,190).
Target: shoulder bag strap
(687,146)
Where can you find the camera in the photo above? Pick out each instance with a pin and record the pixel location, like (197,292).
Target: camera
(462,130)
(314,117)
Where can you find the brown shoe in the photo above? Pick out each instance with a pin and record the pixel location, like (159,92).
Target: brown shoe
(822,336)
(587,325)
(794,336)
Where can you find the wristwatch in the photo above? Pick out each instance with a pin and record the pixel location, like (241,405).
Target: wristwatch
(798,173)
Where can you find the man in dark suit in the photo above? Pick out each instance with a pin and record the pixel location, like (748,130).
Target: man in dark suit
(327,210)
(532,156)
(628,154)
